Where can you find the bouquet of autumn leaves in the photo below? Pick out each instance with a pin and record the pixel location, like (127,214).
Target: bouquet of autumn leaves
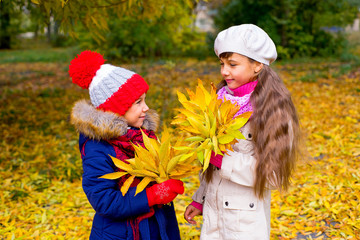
(210,125)
(158,161)
(210,122)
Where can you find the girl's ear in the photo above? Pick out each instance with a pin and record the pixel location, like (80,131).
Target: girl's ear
(258,66)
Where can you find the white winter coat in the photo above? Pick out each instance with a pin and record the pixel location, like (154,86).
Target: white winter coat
(230,208)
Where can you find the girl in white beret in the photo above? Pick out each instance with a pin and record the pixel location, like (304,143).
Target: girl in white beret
(235,191)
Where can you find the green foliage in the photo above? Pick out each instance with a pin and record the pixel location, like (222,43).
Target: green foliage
(22,16)
(94,15)
(295,26)
(130,37)
(136,36)
(10,21)
(138,18)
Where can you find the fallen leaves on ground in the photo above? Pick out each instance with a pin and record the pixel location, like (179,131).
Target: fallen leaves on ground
(40,167)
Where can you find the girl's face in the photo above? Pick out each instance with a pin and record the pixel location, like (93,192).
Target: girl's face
(237,70)
(135,115)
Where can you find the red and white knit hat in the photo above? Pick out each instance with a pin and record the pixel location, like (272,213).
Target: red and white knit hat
(111,88)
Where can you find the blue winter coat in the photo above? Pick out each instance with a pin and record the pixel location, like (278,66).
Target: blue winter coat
(113,211)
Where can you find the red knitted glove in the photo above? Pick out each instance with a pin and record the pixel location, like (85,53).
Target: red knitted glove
(216,160)
(164,192)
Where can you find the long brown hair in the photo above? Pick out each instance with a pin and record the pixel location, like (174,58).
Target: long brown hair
(276,132)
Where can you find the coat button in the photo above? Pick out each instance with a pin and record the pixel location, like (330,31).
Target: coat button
(203,198)
(226,203)
(251,205)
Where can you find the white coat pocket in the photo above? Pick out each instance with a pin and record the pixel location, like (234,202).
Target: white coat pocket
(240,212)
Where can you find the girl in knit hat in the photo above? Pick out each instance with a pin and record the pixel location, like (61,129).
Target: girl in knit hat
(108,124)
(234,194)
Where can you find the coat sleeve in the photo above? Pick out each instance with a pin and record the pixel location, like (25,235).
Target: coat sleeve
(104,194)
(239,166)
(199,195)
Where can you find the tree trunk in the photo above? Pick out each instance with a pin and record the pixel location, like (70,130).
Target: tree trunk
(49,32)
(4,25)
(56,29)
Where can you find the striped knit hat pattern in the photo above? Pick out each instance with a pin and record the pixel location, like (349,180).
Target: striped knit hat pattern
(111,88)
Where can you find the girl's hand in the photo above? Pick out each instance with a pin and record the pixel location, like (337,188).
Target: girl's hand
(190,213)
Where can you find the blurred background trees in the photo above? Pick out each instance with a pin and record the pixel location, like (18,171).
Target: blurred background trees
(126,29)
(300,27)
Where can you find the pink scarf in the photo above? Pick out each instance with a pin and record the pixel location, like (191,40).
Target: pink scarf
(239,96)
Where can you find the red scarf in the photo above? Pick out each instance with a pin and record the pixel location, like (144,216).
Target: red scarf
(124,150)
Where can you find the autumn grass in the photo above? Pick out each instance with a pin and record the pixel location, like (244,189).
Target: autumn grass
(40,166)
(38,55)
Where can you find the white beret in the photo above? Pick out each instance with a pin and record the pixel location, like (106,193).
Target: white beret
(248,40)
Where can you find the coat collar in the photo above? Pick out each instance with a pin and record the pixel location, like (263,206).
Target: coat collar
(100,125)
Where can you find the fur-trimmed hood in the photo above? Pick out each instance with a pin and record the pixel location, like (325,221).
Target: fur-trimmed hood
(97,124)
